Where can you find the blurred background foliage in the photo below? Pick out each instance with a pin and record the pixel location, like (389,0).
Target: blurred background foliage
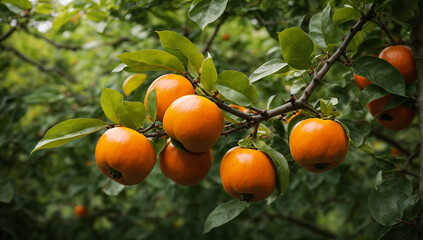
(59,56)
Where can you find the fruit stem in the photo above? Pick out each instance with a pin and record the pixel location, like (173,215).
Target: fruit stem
(248,197)
(114,174)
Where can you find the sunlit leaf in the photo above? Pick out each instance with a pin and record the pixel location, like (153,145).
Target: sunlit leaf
(69,130)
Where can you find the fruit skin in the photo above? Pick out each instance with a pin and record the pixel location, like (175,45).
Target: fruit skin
(194,121)
(318,145)
(362,82)
(184,168)
(396,119)
(248,171)
(126,151)
(401,57)
(168,87)
(376,106)
(80,210)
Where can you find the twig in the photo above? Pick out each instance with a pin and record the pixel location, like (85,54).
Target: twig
(390,141)
(213,36)
(242,125)
(302,223)
(383,27)
(412,156)
(40,67)
(405,171)
(155,134)
(51,42)
(7,34)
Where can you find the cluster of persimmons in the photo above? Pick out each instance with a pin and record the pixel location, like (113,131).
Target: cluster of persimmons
(399,117)
(318,145)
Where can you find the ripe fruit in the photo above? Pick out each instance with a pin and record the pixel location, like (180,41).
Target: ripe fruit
(396,118)
(184,168)
(362,82)
(80,210)
(194,121)
(318,145)
(401,57)
(247,174)
(125,155)
(226,36)
(168,87)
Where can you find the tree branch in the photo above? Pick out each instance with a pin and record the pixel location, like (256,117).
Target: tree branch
(216,30)
(7,34)
(417,46)
(383,27)
(390,141)
(40,67)
(315,229)
(51,42)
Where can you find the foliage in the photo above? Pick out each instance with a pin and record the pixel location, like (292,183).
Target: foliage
(56,64)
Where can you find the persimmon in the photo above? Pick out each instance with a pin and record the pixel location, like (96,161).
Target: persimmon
(168,87)
(318,145)
(80,210)
(194,121)
(376,106)
(362,82)
(226,36)
(185,168)
(125,155)
(396,119)
(401,57)
(247,174)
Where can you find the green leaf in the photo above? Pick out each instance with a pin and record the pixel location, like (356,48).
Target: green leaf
(329,30)
(386,207)
(381,73)
(69,130)
(224,213)
(315,30)
(370,93)
(279,128)
(120,67)
(268,68)
(178,145)
(131,114)
(281,164)
(181,47)
(110,103)
(7,191)
(96,15)
(209,74)
(44,8)
(245,142)
(297,47)
(62,19)
(133,82)
(358,131)
(152,60)
(152,105)
(159,144)
(345,14)
(401,232)
(24,4)
(326,107)
(204,12)
(113,188)
(236,87)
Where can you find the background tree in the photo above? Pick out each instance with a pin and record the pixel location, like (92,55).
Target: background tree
(57,56)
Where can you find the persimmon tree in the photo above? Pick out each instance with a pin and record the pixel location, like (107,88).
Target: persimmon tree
(316,50)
